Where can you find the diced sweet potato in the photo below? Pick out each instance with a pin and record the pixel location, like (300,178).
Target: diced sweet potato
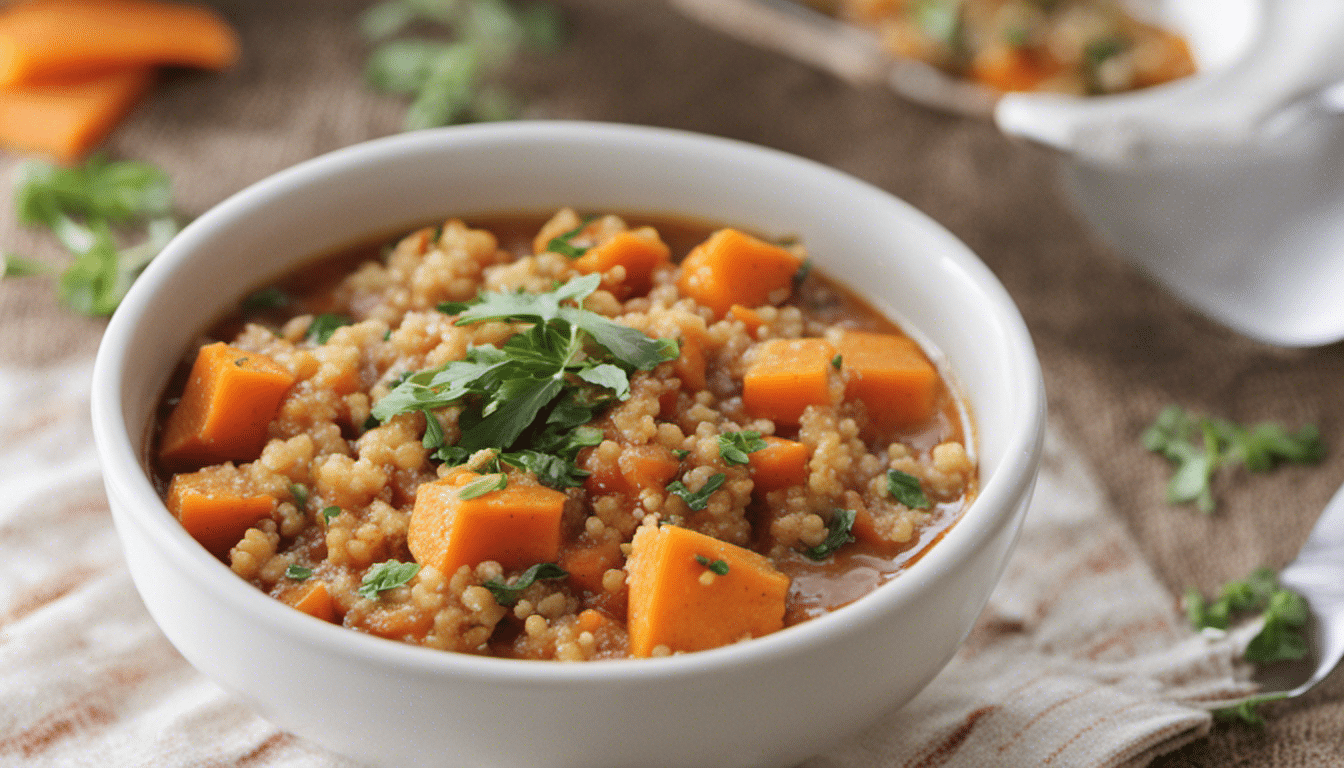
(786,376)
(673,602)
(517,526)
(780,464)
(748,317)
(735,268)
(230,399)
(214,508)
(315,600)
(66,120)
(690,364)
(41,42)
(638,467)
(587,564)
(640,251)
(891,375)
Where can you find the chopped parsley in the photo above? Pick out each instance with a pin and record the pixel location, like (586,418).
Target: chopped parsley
(837,535)
(717,566)
(905,488)
(837,361)
(1246,711)
(800,276)
(298,572)
(1284,611)
(1199,447)
(508,594)
(734,446)
(324,325)
(265,298)
(300,494)
(330,513)
(483,485)
(531,397)
(563,244)
(697,500)
(386,575)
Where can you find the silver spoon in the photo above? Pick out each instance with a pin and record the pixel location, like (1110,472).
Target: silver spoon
(1318,575)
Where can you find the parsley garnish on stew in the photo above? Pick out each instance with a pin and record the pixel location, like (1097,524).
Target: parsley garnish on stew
(717,566)
(386,575)
(1199,447)
(330,513)
(324,325)
(563,244)
(298,572)
(508,594)
(734,446)
(534,394)
(483,485)
(697,500)
(837,535)
(905,489)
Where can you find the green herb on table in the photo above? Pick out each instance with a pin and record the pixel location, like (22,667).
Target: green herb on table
(386,575)
(1283,611)
(905,488)
(1199,447)
(532,397)
(716,566)
(454,79)
(113,217)
(1246,711)
(735,446)
(838,533)
(508,593)
(697,500)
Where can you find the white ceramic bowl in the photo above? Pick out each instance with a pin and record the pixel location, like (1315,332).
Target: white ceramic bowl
(769,702)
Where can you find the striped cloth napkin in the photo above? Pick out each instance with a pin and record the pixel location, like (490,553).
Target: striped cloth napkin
(1080,659)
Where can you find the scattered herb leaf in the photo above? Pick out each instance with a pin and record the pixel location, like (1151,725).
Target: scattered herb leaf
(324,325)
(800,276)
(1284,611)
(508,594)
(270,297)
(1222,443)
(1246,711)
(734,446)
(838,534)
(298,572)
(717,566)
(697,500)
(386,575)
(483,485)
(330,513)
(681,453)
(300,494)
(563,243)
(905,488)
(17,266)
(837,362)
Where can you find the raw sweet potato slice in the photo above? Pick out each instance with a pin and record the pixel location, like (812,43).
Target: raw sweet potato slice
(214,509)
(786,376)
(66,120)
(50,40)
(891,375)
(229,401)
(677,599)
(516,526)
(735,268)
(780,464)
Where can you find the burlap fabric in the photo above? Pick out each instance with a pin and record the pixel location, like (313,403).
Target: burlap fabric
(1115,348)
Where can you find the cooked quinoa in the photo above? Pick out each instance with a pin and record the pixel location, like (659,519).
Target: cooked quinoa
(339,498)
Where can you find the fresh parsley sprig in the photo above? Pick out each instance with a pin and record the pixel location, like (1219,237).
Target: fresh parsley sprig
(1199,447)
(91,208)
(734,447)
(697,500)
(508,593)
(905,488)
(386,575)
(838,533)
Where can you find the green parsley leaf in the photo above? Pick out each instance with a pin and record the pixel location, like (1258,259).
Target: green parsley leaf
(433,437)
(17,266)
(697,500)
(905,488)
(483,485)
(508,593)
(270,297)
(563,243)
(940,21)
(1222,443)
(838,534)
(298,572)
(1284,611)
(717,566)
(551,470)
(300,494)
(324,325)
(734,446)
(837,362)
(800,276)
(681,453)
(330,513)
(386,575)
(1246,711)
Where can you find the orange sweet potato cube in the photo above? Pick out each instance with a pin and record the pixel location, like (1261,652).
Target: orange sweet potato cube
(229,401)
(891,375)
(214,508)
(640,251)
(780,464)
(315,600)
(674,603)
(786,376)
(517,526)
(732,267)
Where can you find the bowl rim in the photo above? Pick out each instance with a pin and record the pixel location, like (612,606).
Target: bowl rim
(126,478)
